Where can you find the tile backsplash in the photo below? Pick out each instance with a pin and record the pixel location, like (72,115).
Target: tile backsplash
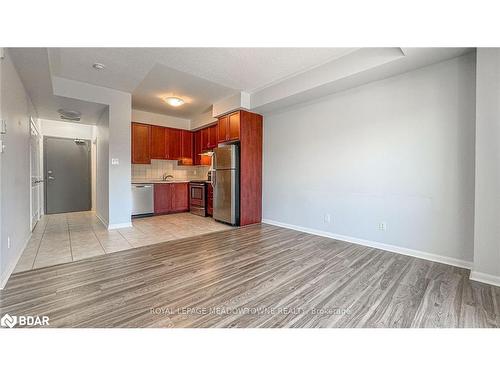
(158,168)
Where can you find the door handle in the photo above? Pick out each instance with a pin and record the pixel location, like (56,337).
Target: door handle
(51,178)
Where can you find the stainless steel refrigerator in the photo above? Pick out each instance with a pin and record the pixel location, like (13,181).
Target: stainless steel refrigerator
(225,182)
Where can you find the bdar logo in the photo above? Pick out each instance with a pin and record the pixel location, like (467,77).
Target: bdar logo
(8,321)
(23,320)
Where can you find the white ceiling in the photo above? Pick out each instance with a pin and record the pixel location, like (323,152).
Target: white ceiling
(198,94)
(32,65)
(204,76)
(201,76)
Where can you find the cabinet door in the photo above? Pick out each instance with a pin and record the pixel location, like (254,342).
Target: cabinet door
(158,142)
(141,135)
(173,144)
(180,198)
(197,147)
(205,139)
(187,147)
(163,198)
(234,126)
(210,200)
(223,129)
(212,136)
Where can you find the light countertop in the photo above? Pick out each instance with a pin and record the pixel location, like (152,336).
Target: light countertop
(145,181)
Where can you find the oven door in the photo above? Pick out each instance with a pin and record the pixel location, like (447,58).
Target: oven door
(197,199)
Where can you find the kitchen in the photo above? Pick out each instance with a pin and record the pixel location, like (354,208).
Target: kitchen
(213,172)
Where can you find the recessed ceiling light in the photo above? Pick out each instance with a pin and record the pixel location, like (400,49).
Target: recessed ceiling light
(174,101)
(98,66)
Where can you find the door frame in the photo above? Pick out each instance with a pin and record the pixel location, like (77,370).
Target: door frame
(34,128)
(45,137)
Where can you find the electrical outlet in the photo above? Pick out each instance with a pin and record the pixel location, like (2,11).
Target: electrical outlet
(382,226)
(328,219)
(115,161)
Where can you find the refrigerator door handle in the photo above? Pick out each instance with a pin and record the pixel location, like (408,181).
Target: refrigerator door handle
(214,173)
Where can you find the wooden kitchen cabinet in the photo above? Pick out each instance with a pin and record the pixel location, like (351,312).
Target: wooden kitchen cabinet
(197,150)
(186,147)
(162,198)
(229,127)
(180,197)
(212,137)
(197,147)
(173,138)
(158,149)
(170,198)
(210,199)
(234,126)
(205,134)
(141,138)
(223,129)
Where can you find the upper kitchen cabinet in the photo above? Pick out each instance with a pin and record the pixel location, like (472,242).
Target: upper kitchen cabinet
(229,127)
(234,126)
(173,138)
(186,147)
(209,138)
(223,129)
(141,138)
(197,150)
(212,136)
(205,135)
(158,147)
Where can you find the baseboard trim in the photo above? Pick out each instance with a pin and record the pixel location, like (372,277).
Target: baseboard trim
(128,224)
(485,278)
(104,222)
(6,276)
(120,225)
(378,245)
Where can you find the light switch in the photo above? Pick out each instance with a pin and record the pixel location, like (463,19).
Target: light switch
(115,161)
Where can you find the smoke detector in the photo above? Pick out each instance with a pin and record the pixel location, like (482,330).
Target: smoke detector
(69,115)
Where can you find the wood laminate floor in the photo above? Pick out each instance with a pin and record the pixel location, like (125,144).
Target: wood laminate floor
(257,276)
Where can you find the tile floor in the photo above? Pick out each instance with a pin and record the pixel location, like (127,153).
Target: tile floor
(69,237)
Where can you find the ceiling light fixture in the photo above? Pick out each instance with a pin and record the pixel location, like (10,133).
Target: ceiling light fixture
(98,66)
(174,101)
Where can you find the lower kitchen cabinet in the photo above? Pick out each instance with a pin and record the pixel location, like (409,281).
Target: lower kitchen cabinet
(170,198)
(210,200)
(180,197)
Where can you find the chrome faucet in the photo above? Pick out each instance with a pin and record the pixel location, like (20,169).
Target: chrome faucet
(165,176)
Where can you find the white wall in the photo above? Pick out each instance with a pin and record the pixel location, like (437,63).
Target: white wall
(65,129)
(73,130)
(202,120)
(487,203)
(16,109)
(160,120)
(399,151)
(119,142)
(102,171)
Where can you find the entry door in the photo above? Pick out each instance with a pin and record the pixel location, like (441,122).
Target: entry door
(36,177)
(67,175)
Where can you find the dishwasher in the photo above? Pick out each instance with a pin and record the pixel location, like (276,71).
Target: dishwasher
(142,199)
